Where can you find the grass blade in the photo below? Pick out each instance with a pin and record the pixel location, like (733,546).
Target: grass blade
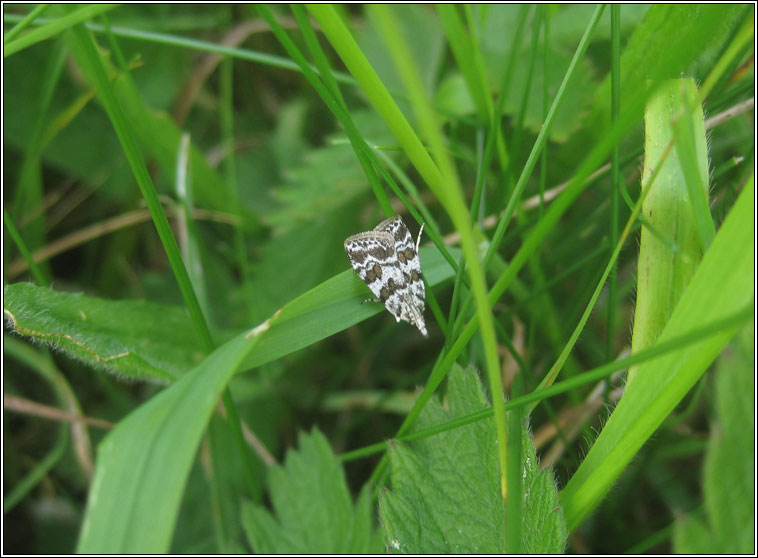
(143,464)
(39,276)
(25,22)
(83,47)
(54,27)
(444,183)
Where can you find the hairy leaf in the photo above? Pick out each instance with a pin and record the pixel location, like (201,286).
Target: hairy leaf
(445,494)
(133,338)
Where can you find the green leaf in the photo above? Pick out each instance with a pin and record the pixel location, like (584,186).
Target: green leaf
(452,96)
(468,59)
(314,512)
(722,285)
(729,461)
(691,536)
(143,464)
(137,339)
(445,494)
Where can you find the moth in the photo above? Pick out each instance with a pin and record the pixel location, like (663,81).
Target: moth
(386,259)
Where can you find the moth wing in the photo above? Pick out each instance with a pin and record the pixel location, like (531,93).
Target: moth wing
(405,249)
(372,255)
(396,227)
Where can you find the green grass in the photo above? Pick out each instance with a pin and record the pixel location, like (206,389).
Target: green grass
(180,180)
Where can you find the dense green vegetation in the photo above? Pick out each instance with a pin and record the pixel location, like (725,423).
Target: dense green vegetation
(188,365)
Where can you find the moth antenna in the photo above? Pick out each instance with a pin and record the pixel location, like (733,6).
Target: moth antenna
(418,239)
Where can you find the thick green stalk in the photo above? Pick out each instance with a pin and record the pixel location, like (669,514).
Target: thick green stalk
(663,274)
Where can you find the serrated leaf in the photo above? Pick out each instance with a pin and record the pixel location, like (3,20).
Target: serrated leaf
(137,339)
(445,494)
(327,178)
(314,513)
(729,462)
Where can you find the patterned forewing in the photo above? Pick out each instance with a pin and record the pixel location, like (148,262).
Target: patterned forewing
(372,255)
(407,258)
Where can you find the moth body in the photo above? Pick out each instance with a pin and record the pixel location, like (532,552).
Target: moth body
(386,259)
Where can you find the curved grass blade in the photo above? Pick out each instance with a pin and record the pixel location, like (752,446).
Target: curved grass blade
(143,464)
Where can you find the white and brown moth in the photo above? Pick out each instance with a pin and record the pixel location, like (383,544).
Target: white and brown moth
(387,261)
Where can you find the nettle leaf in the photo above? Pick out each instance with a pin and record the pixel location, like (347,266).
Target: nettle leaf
(445,494)
(138,339)
(729,463)
(327,178)
(314,513)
